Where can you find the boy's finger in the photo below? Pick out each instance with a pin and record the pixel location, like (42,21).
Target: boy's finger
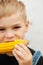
(18,54)
(20,49)
(15,55)
(24,47)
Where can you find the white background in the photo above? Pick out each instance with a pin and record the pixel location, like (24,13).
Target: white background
(34,9)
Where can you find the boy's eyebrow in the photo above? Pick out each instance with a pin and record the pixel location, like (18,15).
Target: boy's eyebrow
(3,26)
(16,25)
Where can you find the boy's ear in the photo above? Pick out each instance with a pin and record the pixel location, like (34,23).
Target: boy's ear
(26,25)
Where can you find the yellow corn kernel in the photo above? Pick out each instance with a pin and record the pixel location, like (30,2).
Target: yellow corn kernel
(9,46)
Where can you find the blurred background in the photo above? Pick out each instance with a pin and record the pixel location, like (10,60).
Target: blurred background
(34,10)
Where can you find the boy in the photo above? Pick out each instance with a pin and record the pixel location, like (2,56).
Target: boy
(14,25)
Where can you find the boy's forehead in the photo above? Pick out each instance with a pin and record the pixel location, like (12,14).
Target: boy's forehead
(16,16)
(13,19)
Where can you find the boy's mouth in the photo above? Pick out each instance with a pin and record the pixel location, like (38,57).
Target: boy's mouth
(10,41)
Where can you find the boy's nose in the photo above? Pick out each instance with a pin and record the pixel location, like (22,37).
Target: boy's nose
(10,34)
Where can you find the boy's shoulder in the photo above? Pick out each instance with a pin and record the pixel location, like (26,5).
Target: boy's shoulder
(32,50)
(37,57)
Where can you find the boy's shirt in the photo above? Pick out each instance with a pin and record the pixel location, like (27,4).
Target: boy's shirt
(7,60)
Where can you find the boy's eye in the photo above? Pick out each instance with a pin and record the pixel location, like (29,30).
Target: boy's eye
(16,27)
(2,29)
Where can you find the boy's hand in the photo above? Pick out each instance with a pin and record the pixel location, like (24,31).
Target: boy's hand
(22,54)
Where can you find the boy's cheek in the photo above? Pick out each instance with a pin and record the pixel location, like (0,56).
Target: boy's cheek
(1,38)
(21,35)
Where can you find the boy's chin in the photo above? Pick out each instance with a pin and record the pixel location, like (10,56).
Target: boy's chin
(9,54)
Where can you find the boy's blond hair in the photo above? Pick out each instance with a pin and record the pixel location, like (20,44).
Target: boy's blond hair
(8,7)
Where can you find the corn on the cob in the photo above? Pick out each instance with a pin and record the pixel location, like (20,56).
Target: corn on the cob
(9,46)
